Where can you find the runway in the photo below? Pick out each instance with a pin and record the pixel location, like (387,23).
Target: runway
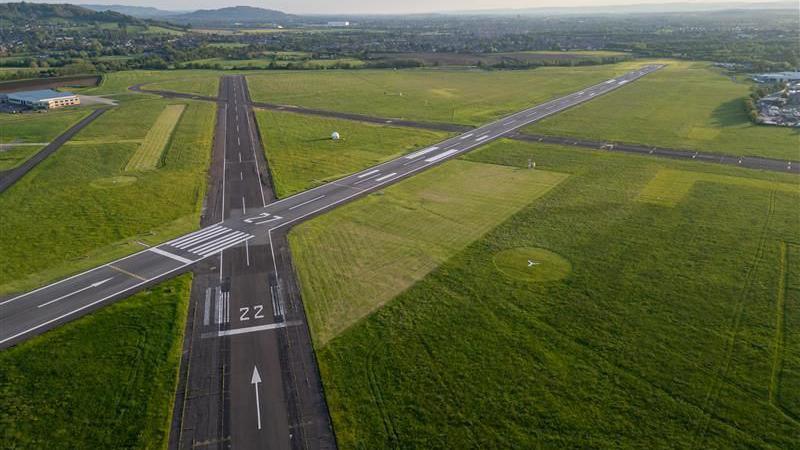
(253,224)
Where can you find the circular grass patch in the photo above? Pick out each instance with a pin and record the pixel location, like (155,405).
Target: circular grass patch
(532,264)
(112,182)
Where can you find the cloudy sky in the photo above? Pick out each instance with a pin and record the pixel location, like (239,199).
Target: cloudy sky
(374,6)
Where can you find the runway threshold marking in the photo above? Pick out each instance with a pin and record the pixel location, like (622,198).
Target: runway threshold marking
(130,274)
(245,330)
(158,251)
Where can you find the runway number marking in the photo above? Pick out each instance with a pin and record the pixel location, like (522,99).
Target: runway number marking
(258,312)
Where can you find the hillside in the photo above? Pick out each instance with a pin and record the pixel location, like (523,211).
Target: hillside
(42,12)
(234,15)
(141,12)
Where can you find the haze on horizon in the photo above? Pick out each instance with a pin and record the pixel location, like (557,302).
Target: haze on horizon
(381,7)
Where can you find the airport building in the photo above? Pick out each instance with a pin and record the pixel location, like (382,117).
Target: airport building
(42,99)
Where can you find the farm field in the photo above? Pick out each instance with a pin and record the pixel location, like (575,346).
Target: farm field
(30,129)
(301,154)
(667,313)
(106,380)
(82,208)
(470,97)
(393,239)
(530,57)
(685,105)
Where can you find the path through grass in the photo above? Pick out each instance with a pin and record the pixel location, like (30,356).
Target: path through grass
(149,154)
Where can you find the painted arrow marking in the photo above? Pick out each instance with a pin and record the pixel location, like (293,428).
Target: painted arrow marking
(93,285)
(532,263)
(254,380)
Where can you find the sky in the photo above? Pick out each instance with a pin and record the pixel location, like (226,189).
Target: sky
(375,6)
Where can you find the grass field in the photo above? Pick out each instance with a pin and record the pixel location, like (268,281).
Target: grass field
(685,105)
(301,154)
(82,208)
(149,154)
(33,128)
(462,96)
(201,82)
(671,325)
(106,380)
(264,63)
(392,239)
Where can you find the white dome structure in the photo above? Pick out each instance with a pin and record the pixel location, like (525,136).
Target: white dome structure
(335,135)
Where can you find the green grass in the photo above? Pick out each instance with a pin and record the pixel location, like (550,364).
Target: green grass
(149,154)
(78,214)
(263,63)
(301,154)
(201,82)
(685,105)
(358,258)
(666,332)
(462,96)
(33,128)
(106,380)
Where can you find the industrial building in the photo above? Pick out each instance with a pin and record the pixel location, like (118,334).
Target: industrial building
(41,99)
(777,77)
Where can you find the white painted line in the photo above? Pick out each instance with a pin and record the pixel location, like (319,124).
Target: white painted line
(466,136)
(306,202)
(227,307)
(93,285)
(241,176)
(482,138)
(274,218)
(200,248)
(238,141)
(424,151)
(255,380)
(509,122)
(386,176)
(201,238)
(171,255)
(366,174)
(207,309)
(367,179)
(224,245)
(240,156)
(218,307)
(247,251)
(271,326)
(197,233)
(244,207)
(442,155)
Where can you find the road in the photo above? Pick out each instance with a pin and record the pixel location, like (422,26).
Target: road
(36,311)
(8,178)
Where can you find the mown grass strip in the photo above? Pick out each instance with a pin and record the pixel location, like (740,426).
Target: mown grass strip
(148,155)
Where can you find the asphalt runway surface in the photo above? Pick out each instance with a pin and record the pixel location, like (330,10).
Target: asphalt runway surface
(10,177)
(249,378)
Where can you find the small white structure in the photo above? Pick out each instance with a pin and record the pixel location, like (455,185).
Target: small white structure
(335,136)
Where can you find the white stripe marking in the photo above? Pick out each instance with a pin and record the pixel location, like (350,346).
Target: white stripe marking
(193,234)
(206,245)
(306,202)
(424,151)
(386,176)
(198,239)
(442,155)
(225,245)
(171,255)
(365,174)
(482,138)
(271,326)
(466,136)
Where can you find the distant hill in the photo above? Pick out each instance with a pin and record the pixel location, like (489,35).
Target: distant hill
(246,15)
(141,12)
(42,12)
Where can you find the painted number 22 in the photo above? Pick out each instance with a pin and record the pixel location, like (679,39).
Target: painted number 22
(245,312)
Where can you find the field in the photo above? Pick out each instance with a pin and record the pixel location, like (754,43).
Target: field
(82,208)
(264,63)
(32,129)
(525,57)
(686,105)
(106,380)
(394,238)
(654,324)
(148,155)
(201,82)
(301,154)
(469,97)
